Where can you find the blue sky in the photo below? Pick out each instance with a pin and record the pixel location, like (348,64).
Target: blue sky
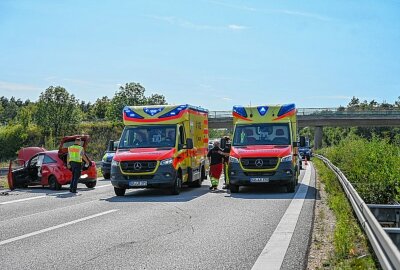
(209,53)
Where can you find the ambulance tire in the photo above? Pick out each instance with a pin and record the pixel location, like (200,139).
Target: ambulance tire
(291,186)
(176,188)
(234,188)
(119,191)
(203,174)
(53,183)
(195,184)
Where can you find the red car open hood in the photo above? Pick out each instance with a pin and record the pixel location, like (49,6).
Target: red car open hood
(69,140)
(144,154)
(26,153)
(261,151)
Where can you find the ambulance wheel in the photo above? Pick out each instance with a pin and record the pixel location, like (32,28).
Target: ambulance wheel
(53,183)
(176,188)
(119,191)
(234,188)
(291,186)
(91,184)
(203,174)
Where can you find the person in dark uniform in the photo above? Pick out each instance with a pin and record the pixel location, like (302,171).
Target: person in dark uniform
(215,157)
(226,150)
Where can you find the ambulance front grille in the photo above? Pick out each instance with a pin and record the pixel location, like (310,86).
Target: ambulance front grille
(138,166)
(259,163)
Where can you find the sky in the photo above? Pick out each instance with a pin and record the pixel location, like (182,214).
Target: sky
(209,53)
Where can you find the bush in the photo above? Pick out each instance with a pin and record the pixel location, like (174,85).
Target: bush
(13,137)
(373,167)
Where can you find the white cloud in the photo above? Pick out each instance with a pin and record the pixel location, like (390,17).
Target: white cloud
(227,99)
(10,86)
(236,27)
(275,11)
(191,25)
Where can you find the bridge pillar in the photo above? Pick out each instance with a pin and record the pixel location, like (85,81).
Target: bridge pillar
(318,133)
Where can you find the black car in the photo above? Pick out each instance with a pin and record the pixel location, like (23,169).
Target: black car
(305,152)
(107,159)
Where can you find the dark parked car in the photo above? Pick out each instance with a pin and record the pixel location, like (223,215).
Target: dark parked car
(107,159)
(305,152)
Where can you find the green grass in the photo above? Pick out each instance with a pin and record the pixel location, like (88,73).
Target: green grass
(99,173)
(351,250)
(3,182)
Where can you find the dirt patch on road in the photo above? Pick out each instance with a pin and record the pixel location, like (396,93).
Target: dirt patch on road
(322,248)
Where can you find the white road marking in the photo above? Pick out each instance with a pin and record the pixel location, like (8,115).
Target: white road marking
(4,242)
(275,250)
(23,200)
(47,195)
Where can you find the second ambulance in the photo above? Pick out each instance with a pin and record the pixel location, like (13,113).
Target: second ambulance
(264,147)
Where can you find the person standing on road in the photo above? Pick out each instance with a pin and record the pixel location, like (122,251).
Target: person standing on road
(226,151)
(74,161)
(215,158)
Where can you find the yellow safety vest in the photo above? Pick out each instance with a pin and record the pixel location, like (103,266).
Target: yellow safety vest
(75,153)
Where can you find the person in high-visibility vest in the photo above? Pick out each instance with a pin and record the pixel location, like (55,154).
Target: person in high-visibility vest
(74,161)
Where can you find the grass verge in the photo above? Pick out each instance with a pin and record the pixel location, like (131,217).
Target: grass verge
(351,249)
(3,182)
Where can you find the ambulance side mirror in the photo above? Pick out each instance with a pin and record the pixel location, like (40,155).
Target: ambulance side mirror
(302,141)
(223,143)
(189,144)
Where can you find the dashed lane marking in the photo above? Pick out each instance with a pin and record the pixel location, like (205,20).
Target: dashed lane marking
(4,242)
(47,195)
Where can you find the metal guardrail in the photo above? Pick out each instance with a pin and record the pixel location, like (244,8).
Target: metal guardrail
(385,249)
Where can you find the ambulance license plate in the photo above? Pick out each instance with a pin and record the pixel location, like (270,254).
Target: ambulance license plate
(137,183)
(259,180)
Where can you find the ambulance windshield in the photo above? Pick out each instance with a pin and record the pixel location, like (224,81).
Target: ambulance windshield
(262,134)
(148,137)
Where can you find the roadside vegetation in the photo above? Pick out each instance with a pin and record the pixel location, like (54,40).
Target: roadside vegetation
(350,246)
(372,166)
(57,113)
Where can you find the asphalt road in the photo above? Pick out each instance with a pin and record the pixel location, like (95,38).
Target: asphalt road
(149,229)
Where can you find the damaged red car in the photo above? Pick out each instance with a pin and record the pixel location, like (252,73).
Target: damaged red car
(36,166)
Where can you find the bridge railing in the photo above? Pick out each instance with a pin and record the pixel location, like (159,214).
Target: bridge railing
(322,112)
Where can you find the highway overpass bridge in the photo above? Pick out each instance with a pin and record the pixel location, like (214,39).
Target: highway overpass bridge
(324,117)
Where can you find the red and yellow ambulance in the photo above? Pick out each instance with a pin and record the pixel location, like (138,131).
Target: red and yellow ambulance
(264,147)
(162,146)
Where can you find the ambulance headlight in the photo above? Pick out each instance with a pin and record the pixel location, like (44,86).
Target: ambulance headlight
(287,159)
(233,160)
(115,163)
(165,162)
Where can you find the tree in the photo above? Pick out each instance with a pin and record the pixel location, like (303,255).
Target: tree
(132,94)
(99,108)
(58,110)
(156,99)
(27,114)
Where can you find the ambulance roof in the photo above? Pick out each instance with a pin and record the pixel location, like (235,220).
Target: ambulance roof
(264,113)
(156,114)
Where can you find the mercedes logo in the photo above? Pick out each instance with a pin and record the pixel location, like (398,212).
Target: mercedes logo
(137,166)
(259,162)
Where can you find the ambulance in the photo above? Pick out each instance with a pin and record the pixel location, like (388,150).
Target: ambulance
(264,147)
(162,146)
